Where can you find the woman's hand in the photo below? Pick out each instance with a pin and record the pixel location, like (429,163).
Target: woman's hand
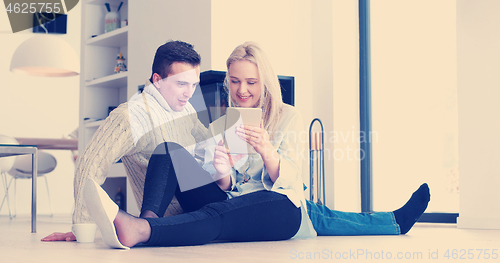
(257,137)
(57,236)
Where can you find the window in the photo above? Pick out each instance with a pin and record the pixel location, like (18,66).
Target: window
(414,104)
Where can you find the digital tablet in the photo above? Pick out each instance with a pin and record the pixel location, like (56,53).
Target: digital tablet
(236,117)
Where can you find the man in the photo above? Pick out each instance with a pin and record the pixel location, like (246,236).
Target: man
(131,132)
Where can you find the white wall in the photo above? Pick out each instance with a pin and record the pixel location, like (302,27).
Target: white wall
(342,137)
(321,87)
(43,108)
(270,23)
(479,126)
(152,23)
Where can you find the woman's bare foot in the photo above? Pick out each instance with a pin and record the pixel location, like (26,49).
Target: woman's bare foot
(131,230)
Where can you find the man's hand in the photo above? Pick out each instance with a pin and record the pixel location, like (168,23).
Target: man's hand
(57,236)
(223,161)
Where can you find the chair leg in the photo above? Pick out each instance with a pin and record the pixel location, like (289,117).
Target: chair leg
(6,196)
(15,197)
(48,196)
(6,189)
(4,184)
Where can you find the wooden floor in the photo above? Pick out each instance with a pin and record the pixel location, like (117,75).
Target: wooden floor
(424,243)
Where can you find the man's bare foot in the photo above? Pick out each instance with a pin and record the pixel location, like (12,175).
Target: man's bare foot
(131,230)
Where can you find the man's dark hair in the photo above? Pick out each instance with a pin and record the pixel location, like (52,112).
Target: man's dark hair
(170,52)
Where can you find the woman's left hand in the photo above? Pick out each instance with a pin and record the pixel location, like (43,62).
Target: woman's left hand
(257,137)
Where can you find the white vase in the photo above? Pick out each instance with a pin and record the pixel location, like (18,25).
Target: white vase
(111,21)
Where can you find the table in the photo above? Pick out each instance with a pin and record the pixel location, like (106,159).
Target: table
(50,144)
(19,149)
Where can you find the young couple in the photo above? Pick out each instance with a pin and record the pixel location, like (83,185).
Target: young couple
(256,197)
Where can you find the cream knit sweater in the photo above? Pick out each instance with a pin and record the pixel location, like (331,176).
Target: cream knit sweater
(131,133)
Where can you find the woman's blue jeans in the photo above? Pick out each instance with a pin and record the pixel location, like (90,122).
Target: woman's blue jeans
(329,222)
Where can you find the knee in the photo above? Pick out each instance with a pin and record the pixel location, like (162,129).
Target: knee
(160,155)
(165,147)
(161,149)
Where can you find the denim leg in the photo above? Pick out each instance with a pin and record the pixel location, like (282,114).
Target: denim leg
(258,216)
(329,222)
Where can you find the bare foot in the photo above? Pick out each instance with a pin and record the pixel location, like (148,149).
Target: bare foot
(131,230)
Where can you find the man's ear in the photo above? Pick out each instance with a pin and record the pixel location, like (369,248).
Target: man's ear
(156,79)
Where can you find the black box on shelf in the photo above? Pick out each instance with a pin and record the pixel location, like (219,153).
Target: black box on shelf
(54,23)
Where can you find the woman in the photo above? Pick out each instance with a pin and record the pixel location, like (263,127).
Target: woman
(261,199)
(248,72)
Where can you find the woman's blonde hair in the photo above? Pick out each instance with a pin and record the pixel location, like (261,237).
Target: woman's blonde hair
(270,97)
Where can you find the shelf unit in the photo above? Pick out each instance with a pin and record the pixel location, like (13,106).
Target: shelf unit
(115,38)
(94,124)
(110,81)
(100,86)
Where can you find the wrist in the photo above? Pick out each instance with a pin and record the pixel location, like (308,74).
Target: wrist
(271,154)
(218,176)
(224,182)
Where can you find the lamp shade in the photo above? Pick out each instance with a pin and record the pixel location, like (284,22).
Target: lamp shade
(45,56)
